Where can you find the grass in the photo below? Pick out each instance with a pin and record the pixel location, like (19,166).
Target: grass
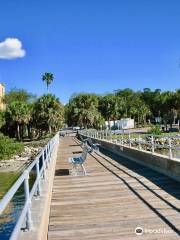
(9,147)
(6,181)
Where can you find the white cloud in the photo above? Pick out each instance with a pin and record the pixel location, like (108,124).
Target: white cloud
(11,48)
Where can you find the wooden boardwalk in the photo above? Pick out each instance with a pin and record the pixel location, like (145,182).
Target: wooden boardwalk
(114,198)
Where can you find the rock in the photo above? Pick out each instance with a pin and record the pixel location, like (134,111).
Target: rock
(23,159)
(19,160)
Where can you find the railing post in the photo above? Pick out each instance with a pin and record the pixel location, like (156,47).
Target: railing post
(122,140)
(152,144)
(46,150)
(50,150)
(170,148)
(28,200)
(38,177)
(129,140)
(43,165)
(139,142)
(110,136)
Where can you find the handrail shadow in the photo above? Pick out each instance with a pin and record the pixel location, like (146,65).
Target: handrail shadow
(162,181)
(138,169)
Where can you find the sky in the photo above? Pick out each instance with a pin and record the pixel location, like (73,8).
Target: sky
(90,45)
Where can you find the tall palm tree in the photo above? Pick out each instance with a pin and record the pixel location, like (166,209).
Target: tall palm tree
(48,78)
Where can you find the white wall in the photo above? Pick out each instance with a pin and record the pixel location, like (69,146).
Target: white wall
(124,123)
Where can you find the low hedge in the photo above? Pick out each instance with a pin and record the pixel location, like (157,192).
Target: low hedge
(9,147)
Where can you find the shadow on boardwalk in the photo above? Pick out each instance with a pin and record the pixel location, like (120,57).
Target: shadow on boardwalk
(163,182)
(115,197)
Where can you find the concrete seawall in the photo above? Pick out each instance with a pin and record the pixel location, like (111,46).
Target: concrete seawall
(157,162)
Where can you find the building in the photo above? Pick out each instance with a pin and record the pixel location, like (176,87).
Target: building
(124,123)
(2,93)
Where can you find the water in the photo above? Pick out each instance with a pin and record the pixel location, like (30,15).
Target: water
(10,215)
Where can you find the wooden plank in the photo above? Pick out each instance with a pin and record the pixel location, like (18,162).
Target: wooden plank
(111,200)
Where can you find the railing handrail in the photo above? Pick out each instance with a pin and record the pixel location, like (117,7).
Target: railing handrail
(152,142)
(47,150)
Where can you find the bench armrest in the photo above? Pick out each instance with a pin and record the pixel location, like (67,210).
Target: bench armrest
(97,144)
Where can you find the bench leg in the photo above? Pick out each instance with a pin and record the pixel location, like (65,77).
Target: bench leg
(74,169)
(84,170)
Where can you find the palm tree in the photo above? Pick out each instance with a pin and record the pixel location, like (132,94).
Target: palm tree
(48,113)
(82,110)
(48,78)
(18,113)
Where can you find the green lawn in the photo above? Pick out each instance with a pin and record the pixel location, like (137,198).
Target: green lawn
(6,181)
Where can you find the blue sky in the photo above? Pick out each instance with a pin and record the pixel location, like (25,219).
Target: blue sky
(93,45)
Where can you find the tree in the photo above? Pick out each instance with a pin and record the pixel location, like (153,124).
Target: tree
(17,114)
(110,107)
(82,110)
(2,119)
(138,109)
(19,95)
(177,104)
(48,78)
(48,113)
(126,96)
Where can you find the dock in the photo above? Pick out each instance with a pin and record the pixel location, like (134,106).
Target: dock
(113,201)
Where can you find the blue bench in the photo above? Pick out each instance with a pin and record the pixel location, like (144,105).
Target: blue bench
(79,160)
(94,146)
(83,140)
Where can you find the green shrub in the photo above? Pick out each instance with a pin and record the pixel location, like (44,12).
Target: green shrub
(9,147)
(155,129)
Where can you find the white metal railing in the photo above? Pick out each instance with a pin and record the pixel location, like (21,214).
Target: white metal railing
(25,215)
(148,142)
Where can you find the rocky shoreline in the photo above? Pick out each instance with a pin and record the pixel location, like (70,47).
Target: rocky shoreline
(19,161)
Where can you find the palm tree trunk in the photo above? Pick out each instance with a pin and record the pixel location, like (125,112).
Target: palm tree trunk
(29,131)
(18,131)
(21,131)
(138,119)
(109,123)
(50,129)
